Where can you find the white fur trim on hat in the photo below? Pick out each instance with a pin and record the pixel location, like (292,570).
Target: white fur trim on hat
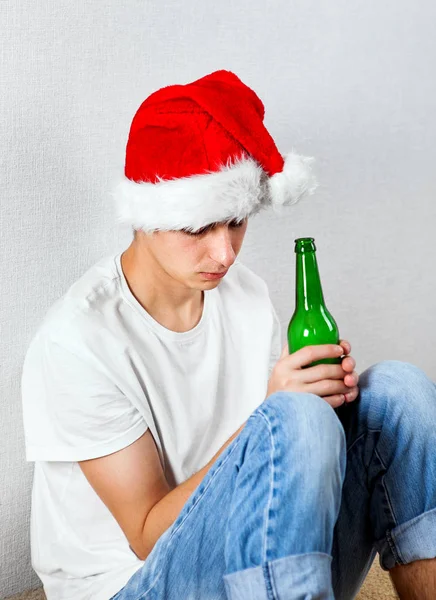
(238,190)
(295,181)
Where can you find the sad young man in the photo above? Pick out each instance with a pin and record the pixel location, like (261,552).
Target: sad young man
(180,452)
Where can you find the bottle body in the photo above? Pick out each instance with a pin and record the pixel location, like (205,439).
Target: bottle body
(311,324)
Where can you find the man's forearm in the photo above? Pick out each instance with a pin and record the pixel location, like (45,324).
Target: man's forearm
(165,512)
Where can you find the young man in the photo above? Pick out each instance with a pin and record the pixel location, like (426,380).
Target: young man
(178,453)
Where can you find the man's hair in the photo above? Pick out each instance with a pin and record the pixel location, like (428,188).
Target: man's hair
(228,221)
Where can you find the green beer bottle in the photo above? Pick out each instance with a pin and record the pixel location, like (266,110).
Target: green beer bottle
(311,324)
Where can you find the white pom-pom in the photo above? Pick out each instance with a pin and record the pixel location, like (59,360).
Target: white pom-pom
(293,183)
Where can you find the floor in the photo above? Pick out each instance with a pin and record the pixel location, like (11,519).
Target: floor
(376,587)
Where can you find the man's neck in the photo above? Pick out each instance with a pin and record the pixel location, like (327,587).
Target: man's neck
(176,308)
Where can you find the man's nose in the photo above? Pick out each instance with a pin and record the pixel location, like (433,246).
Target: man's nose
(221,248)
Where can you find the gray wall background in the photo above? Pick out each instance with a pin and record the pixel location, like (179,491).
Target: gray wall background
(349,82)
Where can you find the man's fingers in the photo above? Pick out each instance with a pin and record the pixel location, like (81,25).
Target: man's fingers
(352,394)
(346,346)
(338,399)
(320,372)
(351,379)
(335,401)
(348,363)
(309,354)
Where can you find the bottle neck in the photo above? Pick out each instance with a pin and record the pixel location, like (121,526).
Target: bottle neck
(308,291)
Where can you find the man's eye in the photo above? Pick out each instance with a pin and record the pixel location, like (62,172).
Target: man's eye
(196,233)
(235,224)
(232,224)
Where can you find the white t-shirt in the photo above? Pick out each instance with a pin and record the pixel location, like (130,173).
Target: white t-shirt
(99,372)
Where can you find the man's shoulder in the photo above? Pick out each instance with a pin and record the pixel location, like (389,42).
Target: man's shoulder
(80,310)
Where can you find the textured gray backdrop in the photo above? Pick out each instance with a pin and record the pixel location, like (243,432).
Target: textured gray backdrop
(349,82)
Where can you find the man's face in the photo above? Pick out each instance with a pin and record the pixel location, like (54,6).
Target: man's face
(185,257)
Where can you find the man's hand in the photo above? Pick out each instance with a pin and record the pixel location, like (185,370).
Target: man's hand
(351,379)
(329,381)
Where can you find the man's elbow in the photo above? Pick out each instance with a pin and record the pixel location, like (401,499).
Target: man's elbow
(139,552)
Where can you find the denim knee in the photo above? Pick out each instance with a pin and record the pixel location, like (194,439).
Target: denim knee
(289,405)
(397,372)
(401,388)
(307,418)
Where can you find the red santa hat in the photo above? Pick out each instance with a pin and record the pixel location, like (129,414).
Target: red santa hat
(199,154)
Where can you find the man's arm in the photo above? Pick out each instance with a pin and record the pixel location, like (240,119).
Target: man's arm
(132,484)
(165,512)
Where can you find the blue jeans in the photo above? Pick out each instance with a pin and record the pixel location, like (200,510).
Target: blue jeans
(300,502)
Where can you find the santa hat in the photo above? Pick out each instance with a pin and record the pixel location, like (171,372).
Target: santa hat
(199,154)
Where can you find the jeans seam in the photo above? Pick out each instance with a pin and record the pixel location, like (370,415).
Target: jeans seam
(361,436)
(271,488)
(391,508)
(389,538)
(393,548)
(268,582)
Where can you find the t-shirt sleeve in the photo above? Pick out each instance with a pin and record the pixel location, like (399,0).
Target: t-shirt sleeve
(72,410)
(276,341)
